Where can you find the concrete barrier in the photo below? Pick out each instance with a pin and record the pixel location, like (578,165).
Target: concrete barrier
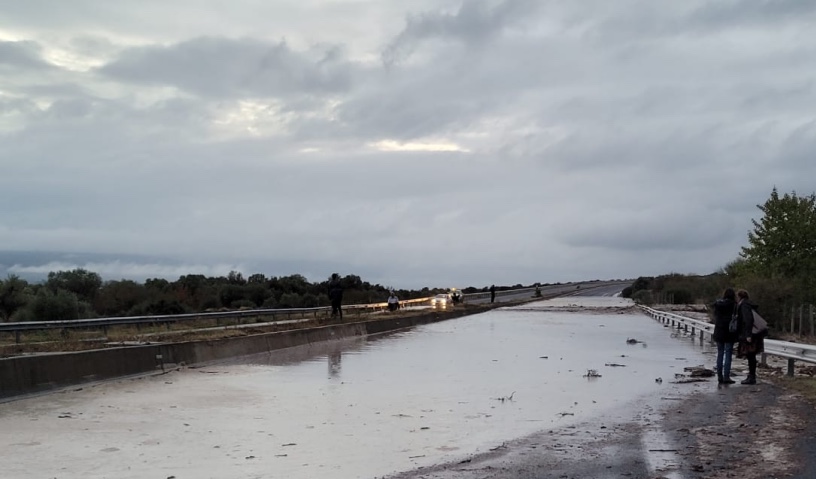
(43,372)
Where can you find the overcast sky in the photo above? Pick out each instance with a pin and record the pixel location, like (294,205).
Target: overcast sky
(413,143)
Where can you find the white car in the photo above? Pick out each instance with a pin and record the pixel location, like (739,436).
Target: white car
(442,301)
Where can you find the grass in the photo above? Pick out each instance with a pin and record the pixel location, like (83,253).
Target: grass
(806,386)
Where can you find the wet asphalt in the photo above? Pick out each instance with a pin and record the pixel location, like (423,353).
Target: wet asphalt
(495,395)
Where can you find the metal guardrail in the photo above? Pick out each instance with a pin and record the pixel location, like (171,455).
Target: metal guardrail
(784,349)
(17,328)
(103,323)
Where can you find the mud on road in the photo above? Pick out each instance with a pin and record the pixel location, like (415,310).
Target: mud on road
(746,432)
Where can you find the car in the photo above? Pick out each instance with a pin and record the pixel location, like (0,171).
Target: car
(442,301)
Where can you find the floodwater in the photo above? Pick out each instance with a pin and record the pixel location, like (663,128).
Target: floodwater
(357,408)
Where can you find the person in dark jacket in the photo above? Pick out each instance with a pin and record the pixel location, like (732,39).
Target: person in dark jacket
(725,339)
(750,344)
(492,293)
(336,295)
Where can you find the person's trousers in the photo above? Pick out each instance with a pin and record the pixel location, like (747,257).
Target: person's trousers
(724,353)
(752,364)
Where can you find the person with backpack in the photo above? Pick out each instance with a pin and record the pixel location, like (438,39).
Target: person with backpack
(751,340)
(723,336)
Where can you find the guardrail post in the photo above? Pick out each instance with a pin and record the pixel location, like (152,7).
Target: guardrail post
(763,359)
(17,336)
(790,367)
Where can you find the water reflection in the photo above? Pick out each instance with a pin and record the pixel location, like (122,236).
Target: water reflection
(335,358)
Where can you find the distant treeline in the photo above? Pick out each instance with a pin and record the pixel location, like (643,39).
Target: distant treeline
(777,268)
(79,293)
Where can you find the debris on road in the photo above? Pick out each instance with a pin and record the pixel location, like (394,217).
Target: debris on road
(690,380)
(699,371)
(505,398)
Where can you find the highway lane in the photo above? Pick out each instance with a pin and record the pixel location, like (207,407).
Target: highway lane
(360,407)
(607,290)
(573,289)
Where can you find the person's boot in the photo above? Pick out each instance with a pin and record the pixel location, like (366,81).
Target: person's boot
(720,378)
(751,379)
(728,380)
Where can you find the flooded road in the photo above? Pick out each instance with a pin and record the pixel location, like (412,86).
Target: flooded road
(362,408)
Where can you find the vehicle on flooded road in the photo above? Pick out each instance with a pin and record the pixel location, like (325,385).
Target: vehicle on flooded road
(442,301)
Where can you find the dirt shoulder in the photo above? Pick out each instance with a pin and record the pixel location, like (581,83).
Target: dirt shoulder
(748,432)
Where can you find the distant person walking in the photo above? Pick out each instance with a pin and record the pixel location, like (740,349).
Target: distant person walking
(393,302)
(750,344)
(336,296)
(492,293)
(724,309)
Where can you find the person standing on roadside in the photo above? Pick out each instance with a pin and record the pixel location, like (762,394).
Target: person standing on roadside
(492,293)
(393,302)
(723,336)
(336,295)
(750,344)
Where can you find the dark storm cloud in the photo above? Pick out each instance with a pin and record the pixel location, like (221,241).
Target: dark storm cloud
(23,55)
(221,67)
(750,12)
(473,23)
(595,138)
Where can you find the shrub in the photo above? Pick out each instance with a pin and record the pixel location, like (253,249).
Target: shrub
(643,297)
(48,306)
(289,300)
(243,303)
(680,296)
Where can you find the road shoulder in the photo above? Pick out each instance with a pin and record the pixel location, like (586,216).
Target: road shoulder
(749,432)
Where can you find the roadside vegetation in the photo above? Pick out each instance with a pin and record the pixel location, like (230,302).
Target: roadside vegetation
(777,267)
(79,293)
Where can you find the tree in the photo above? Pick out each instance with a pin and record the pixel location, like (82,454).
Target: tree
(49,306)
(83,283)
(230,293)
(192,283)
(235,277)
(783,241)
(119,297)
(14,294)
(157,284)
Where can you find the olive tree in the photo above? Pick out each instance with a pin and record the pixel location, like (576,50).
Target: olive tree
(783,242)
